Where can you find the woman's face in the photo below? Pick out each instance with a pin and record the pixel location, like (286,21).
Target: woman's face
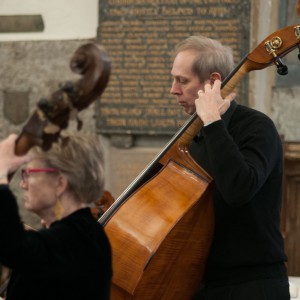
(39,185)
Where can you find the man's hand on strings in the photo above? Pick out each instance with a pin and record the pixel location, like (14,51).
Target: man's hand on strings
(210,105)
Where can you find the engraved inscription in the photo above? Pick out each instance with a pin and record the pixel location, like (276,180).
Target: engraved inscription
(140,36)
(21,23)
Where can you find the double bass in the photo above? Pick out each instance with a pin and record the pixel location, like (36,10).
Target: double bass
(162,225)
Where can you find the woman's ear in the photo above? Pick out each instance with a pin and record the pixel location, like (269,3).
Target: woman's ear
(61,185)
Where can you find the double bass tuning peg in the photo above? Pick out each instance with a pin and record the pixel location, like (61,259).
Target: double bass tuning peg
(282,69)
(272,46)
(297,34)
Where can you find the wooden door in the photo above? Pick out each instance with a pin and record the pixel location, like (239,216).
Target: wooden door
(291,206)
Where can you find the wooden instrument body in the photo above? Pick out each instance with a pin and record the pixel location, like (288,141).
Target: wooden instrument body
(162,237)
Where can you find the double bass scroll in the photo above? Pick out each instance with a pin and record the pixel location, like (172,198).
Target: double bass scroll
(53,113)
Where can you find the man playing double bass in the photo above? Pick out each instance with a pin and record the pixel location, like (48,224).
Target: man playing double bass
(241,149)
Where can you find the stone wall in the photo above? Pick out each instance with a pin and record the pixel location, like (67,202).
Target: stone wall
(32,69)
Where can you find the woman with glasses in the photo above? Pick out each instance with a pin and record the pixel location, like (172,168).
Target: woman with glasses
(70,258)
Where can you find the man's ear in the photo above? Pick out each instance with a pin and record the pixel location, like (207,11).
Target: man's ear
(215,76)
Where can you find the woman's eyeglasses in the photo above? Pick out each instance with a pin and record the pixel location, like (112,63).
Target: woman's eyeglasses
(26,172)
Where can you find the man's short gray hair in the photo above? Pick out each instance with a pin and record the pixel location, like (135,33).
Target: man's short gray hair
(211,56)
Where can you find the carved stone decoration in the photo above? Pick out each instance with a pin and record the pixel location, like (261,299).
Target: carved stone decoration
(16,106)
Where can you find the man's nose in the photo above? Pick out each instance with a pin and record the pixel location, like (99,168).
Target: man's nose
(175,90)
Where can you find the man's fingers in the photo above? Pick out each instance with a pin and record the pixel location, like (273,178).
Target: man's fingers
(226,103)
(207,87)
(200,92)
(217,84)
(230,97)
(224,106)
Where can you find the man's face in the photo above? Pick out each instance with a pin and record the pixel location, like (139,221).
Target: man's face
(185,84)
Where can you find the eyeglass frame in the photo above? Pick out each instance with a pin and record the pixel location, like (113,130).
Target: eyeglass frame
(26,171)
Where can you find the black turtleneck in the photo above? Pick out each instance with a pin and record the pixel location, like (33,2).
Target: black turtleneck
(243,154)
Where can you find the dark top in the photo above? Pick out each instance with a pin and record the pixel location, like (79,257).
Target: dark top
(243,154)
(70,260)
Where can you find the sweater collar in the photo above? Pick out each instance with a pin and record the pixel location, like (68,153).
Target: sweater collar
(227,116)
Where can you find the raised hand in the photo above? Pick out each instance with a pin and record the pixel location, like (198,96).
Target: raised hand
(210,105)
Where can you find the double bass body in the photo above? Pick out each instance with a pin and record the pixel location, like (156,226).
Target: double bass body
(161,233)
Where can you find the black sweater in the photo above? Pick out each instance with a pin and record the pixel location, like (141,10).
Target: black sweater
(70,260)
(243,154)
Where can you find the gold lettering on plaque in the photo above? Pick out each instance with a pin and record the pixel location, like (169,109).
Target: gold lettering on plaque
(140,36)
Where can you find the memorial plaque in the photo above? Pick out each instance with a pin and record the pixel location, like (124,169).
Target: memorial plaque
(21,23)
(140,36)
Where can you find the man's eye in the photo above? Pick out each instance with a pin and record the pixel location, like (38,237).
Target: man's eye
(183,81)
